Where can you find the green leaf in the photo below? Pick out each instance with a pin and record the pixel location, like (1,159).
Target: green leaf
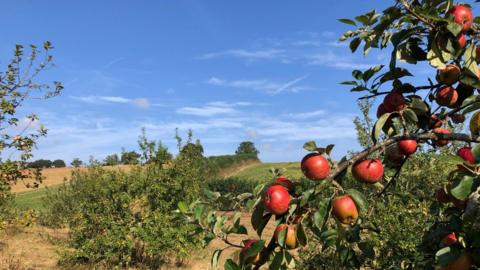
(231,265)
(464,188)
(348,21)
(301,235)
(357,74)
(454,28)
(183,207)
(310,146)
(359,199)
(349,83)
(446,255)
(277,261)
(258,189)
(370,72)
(259,220)
(470,61)
(321,213)
(379,125)
(329,148)
(281,237)
(354,44)
(476,152)
(395,73)
(410,115)
(418,105)
(253,250)
(215,257)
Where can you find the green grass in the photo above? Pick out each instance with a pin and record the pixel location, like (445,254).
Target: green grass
(32,199)
(261,171)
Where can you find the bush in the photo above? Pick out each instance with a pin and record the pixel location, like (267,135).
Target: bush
(217,163)
(127,218)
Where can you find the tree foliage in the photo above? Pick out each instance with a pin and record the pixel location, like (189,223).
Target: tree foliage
(247,147)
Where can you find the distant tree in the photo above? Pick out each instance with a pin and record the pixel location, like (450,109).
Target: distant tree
(41,163)
(111,160)
(247,147)
(130,157)
(76,162)
(153,152)
(58,163)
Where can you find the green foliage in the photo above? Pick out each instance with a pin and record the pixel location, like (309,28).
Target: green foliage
(40,163)
(126,218)
(247,147)
(129,157)
(58,163)
(76,162)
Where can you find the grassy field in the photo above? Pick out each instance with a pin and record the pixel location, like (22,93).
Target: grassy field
(32,199)
(261,171)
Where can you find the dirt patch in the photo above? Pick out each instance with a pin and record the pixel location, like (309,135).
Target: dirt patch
(30,248)
(235,169)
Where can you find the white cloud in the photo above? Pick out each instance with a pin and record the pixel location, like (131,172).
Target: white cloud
(263,85)
(333,60)
(138,102)
(247,54)
(307,115)
(213,108)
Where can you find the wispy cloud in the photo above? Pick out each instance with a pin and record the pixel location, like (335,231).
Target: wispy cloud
(247,54)
(333,60)
(307,115)
(213,109)
(138,102)
(263,84)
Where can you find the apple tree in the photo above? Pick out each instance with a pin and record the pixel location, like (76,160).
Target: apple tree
(438,34)
(19,83)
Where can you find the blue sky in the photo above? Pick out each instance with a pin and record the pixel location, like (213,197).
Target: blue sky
(265,71)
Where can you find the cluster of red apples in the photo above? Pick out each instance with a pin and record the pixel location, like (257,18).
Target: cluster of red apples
(315,166)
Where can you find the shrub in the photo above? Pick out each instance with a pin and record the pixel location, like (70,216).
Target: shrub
(127,218)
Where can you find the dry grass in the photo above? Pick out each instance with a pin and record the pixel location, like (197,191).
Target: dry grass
(56,176)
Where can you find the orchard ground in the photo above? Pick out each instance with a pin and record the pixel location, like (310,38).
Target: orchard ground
(39,247)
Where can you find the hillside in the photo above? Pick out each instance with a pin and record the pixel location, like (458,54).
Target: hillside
(261,171)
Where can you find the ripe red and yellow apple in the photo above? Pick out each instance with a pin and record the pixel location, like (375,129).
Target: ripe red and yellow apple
(407,147)
(315,166)
(290,235)
(285,182)
(462,15)
(368,170)
(276,199)
(441,131)
(253,259)
(394,101)
(345,209)
(466,154)
(461,40)
(447,96)
(449,75)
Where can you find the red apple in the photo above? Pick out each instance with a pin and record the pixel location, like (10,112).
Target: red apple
(290,237)
(463,262)
(276,199)
(461,41)
(407,147)
(394,101)
(345,209)
(246,245)
(466,154)
(459,204)
(435,122)
(447,96)
(457,118)
(441,131)
(283,181)
(477,54)
(381,110)
(315,166)
(442,196)
(449,239)
(449,75)
(368,170)
(462,15)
